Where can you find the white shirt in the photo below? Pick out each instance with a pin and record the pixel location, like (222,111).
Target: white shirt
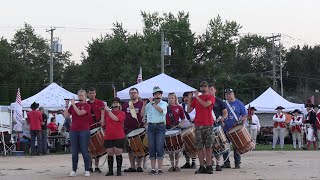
(192,114)
(255,120)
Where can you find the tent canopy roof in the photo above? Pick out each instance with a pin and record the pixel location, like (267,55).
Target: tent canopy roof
(166,83)
(269,100)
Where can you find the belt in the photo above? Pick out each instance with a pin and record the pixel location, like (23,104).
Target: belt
(252,123)
(157,123)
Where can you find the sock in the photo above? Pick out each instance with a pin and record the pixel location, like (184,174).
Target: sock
(110,163)
(194,160)
(119,162)
(187,159)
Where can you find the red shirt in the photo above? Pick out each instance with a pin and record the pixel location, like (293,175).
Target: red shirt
(53,127)
(131,123)
(96,108)
(35,119)
(318,121)
(177,112)
(80,123)
(114,129)
(203,115)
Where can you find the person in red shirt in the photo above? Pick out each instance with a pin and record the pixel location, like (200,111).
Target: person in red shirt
(203,122)
(52,126)
(79,131)
(114,135)
(174,116)
(35,120)
(97,109)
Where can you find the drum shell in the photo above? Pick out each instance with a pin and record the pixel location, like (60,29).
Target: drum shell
(173,143)
(139,144)
(188,138)
(96,143)
(240,139)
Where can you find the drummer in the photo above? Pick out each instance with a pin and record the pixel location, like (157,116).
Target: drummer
(237,114)
(174,116)
(133,121)
(311,122)
(97,113)
(114,135)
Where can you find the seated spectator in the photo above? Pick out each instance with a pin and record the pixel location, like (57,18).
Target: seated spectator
(53,127)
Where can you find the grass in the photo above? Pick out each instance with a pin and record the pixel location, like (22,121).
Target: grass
(261,147)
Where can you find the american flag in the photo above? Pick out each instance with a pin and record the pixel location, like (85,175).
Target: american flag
(18,111)
(139,79)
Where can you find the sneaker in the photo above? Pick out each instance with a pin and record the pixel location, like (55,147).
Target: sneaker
(160,172)
(201,170)
(209,169)
(193,165)
(226,165)
(237,166)
(153,172)
(186,166)
(72,174)
(87,174)
(97,170)
(218,168)
(172,169)
(130,170)
(110,173)
(139,169)
(177,169)
(91,170)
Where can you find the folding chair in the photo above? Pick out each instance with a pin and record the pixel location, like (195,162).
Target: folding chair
(7,143)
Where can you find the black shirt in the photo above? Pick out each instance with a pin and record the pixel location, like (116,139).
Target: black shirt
(45,120)
(218,107)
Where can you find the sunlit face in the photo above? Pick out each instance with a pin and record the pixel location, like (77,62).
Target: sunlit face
(157,95)
(92,95)
(134,94)
(116,105)
(204,89)
(172,99)
(82,96)
(212,90)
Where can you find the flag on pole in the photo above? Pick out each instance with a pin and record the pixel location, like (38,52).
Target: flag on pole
(139,79)
(18,112)
(114,90)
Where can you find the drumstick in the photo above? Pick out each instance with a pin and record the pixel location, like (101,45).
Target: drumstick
(173,127)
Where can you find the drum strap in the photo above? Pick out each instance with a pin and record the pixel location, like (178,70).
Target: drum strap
(185,112)
(232,111)
(132,110)
(171,115)
(93,115)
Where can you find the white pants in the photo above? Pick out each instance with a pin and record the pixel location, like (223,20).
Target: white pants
(318,134)
(296,136)
(278,132)
(253,134)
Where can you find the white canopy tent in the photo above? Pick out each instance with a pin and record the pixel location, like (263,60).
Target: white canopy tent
(51,98)
(166,83)
(269,100)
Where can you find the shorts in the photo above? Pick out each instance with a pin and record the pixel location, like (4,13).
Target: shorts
(203,137)
(117,143)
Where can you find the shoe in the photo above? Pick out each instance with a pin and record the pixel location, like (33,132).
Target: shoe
(273,148)
(118,172)
(160,172)
(130,170)
(209,169)
(110,173)
(153,172)
(193,165)
(72,174)
(172,169)
(186,166)
(218,168)
(227,165)
(201,170)
(91,170)
(294,148)
(97,170)
(177,169)
(139,169)
(87,174)
(237,166)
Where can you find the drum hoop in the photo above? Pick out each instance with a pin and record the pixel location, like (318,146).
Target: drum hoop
(135,135)
(173,134)
(98,129)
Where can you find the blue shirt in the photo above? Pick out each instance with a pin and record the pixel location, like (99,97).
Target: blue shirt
(153,115)
(239,110)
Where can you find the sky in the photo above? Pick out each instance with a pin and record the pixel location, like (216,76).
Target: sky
(298,20)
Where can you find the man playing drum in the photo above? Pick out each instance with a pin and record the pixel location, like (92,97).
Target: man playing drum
(97,113)
(203,122)
(221,113)
(133,121)
(237,114)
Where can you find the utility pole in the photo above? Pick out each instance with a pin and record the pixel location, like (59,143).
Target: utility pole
(51,54)
(281,65)
(273,58)
(162,52)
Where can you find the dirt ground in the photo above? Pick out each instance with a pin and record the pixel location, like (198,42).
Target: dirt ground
(255,165)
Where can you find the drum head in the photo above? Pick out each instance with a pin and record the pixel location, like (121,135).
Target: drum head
(235,129)
(136,132)
(187,131)
(172,132)
(95,130)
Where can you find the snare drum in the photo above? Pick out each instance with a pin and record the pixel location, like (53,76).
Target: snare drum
(173,141)
(240,139)
(220,142)
(96,143)
(138,142)
(188,138)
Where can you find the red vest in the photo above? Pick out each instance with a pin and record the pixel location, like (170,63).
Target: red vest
(296,127)
(281,124)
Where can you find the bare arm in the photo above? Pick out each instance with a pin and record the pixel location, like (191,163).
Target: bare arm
(224,114)
(203,103)
(189,108)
